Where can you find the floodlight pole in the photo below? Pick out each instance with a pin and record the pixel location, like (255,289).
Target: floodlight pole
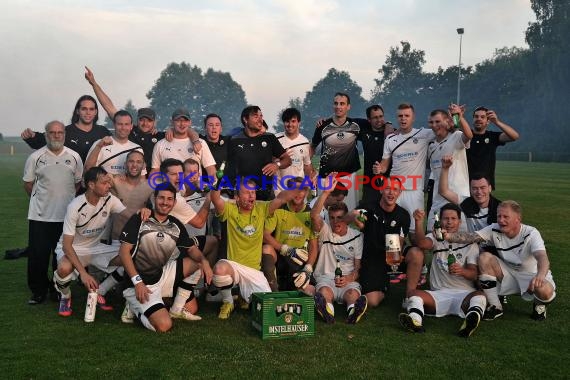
(460,32)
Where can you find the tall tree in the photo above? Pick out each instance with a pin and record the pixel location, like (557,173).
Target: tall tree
(184,85)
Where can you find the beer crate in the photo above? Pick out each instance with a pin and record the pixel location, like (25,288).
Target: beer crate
(279,315)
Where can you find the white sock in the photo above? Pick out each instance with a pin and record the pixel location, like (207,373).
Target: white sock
(416,308)
(183,294)
(111,280)
(350,306)
(489,285)
(478,303)
(227,295)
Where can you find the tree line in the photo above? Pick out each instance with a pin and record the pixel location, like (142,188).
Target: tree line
(527,87)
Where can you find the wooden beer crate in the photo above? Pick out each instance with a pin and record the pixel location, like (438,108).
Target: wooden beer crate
(279,315)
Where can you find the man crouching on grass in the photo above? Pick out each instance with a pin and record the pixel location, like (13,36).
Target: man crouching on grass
(150,255)
(522,266)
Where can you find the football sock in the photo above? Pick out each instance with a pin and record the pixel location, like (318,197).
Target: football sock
(489,285)
(224,283)
(416,308)
(111,280)
(478,304)
(183,295)
(63,285)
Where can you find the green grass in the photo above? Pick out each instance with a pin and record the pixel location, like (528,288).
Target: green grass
(37,343)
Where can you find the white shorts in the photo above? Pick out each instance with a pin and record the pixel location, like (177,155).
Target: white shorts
(249,280)
(516,282)
(337,292)
(448,301)
(411,200)
(98,256)
(163,288)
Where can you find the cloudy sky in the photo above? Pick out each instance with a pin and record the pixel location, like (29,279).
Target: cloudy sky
(276,49)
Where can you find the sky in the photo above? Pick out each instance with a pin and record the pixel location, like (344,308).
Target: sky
(275,49)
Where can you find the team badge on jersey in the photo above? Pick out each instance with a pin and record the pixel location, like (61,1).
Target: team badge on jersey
(104,213)
(68,162)
(154,140)
(221,142)
(264,144)
(487,140)
(415,140)
(340,135)
(160,237)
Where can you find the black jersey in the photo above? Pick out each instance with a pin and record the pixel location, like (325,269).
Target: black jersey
(75,138)
(338,152)
(155,244)
(482,154)
(146,141)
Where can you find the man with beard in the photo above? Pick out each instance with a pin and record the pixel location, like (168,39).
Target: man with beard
(86,225)
(150,252)
(256,154)
(52,175)
(481,156)
(80,134)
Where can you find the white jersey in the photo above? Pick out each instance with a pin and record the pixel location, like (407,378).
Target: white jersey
(409,152)
(90,224)
(54,177)
(113,157)
(458,177)
(517,252)
(333,247)
(439,276)
(196,201)
(181,149)
(298,150)
(182,210)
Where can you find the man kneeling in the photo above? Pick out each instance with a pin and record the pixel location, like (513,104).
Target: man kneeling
(150,255)
(452,278)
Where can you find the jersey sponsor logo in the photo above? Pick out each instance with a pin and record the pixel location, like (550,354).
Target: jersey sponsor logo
(294,232)
(248,230)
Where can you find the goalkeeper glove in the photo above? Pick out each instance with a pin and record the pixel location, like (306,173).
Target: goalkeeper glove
(302,278)
(298,255)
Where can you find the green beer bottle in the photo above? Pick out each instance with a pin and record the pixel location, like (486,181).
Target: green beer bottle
(437,227)
(450,257)
(337,271)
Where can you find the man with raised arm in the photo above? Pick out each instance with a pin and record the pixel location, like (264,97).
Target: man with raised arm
(246,217)
(452,278)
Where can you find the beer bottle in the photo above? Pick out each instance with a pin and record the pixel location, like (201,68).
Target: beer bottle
(361,215)
(437,227)
(456,121)
(220,171)
(450,257)
(337,271)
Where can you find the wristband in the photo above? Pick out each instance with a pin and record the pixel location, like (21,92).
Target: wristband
(136,279)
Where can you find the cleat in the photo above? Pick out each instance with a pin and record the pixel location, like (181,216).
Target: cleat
(242,304)
(226,310)
(503,300)
(127,316)
(102,303)
(356,313)
(36,299)
(470,324)
(492,312)
(65,307)
(184,314)
(409,324)
(323,309)
(538,312)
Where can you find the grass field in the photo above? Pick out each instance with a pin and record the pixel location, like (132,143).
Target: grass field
(38,344)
